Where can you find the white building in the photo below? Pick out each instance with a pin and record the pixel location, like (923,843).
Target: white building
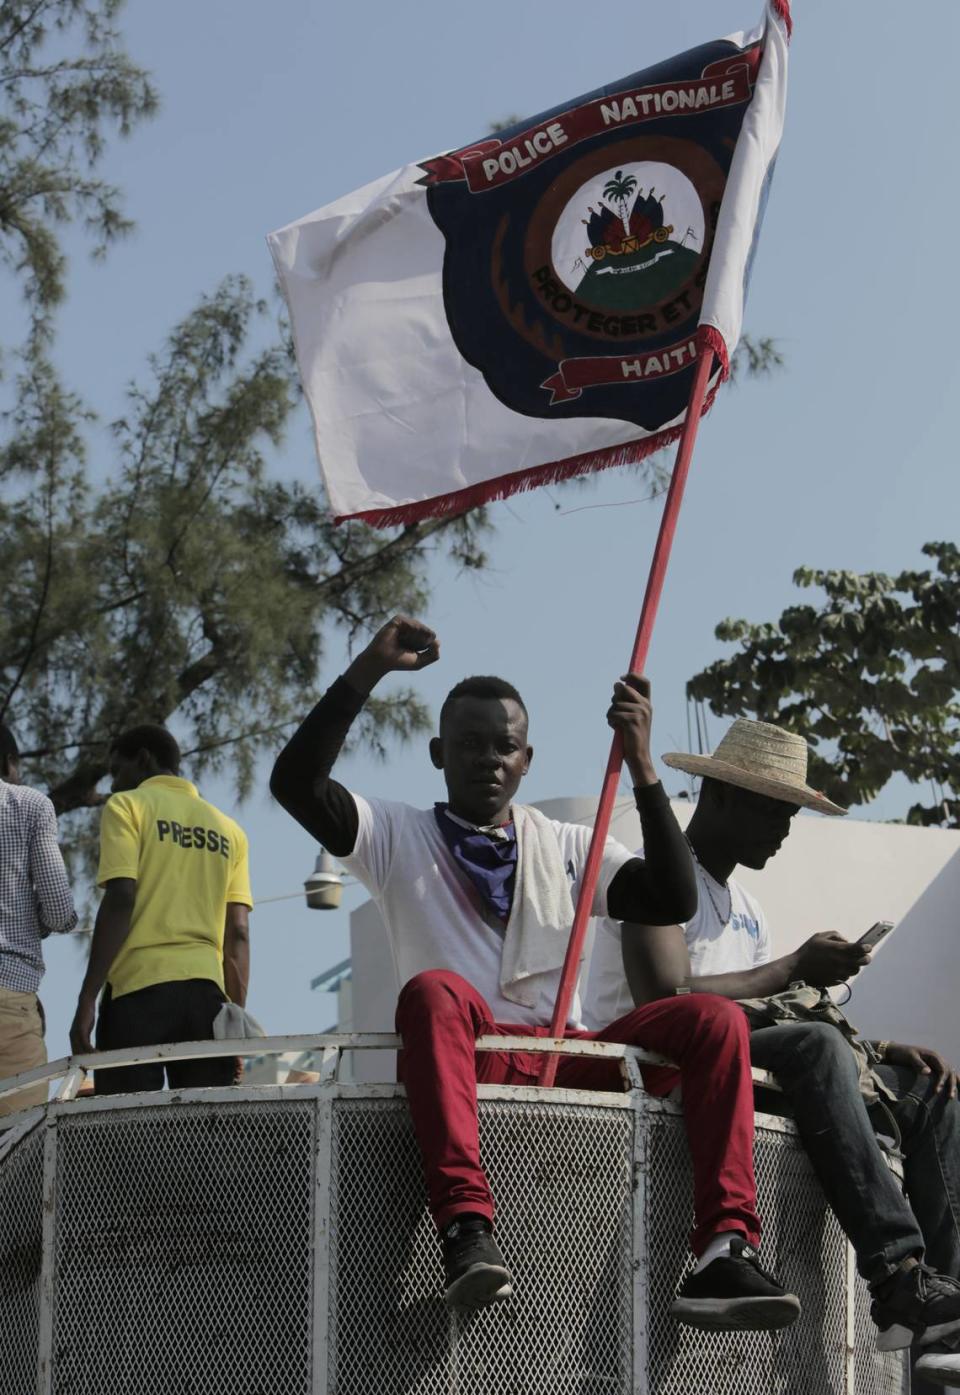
(831,874)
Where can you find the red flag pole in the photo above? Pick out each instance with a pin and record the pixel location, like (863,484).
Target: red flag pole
(611,779)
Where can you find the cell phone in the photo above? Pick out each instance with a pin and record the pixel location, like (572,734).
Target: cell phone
(877,932)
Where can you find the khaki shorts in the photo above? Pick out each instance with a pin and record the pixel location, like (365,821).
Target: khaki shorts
(21,1046)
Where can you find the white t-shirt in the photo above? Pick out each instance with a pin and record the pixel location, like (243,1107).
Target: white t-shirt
(435,918)
(716,946)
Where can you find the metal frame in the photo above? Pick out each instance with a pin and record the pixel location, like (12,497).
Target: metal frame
(325,1092)
(321,1248)
(47,1271)
(331,1046)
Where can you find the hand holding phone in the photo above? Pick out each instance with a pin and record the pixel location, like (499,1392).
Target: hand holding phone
(827,959)
(877,932)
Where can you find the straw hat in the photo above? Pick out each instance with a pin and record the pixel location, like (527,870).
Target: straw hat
(760,757)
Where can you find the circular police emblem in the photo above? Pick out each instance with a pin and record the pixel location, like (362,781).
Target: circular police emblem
(630,237)
(577,247)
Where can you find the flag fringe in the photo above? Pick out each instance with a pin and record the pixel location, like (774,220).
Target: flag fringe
(504,486)
(782,8)
(709,337)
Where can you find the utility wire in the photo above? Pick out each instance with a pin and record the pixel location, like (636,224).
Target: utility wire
(262,901)
(292,895)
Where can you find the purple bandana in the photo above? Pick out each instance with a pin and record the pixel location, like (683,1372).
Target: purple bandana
(487,856)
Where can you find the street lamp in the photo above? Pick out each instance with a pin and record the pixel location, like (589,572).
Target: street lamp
(324,886)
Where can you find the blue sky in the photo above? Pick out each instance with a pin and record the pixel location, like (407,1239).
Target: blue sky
(846,459)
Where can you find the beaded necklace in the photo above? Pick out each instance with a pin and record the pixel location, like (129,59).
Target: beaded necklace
(709,883)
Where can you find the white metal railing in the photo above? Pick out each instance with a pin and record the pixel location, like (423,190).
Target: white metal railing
(330,1047)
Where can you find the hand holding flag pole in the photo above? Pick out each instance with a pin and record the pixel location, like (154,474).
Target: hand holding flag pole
(648,614)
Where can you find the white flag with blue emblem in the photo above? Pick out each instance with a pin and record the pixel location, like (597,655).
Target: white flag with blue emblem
(531,307)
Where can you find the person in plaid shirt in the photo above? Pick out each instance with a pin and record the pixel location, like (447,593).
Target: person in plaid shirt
(35,901)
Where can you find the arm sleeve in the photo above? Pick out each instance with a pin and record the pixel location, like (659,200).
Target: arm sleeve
(659,888)
(301,776)
(119,840)
(238,888)
(48,875)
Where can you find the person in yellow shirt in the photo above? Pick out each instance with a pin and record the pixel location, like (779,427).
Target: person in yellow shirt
(171,938)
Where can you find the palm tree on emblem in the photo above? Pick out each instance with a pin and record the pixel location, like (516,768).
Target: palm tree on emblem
(618,190)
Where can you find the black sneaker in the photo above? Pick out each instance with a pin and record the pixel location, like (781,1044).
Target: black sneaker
(473,1266)
(733,1294)
(919,1305)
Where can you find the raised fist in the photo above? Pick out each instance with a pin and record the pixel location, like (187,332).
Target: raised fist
(402,645)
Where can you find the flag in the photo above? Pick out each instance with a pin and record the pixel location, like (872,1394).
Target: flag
(531,306)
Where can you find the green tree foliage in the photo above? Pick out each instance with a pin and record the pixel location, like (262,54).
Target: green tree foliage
(56,107)
(871,675)
(755,358)
(193,588)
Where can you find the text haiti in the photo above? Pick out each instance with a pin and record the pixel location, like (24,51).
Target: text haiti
(640,105)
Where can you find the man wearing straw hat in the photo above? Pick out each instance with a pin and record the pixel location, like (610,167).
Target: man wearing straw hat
(753,785)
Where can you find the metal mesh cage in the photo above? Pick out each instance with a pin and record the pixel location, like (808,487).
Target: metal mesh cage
(21,1238)
(225,1243)
(563,1173)
(874,1373)
(802,1243)
(184,1250)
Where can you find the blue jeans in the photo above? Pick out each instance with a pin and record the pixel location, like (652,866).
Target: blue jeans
(817,1072)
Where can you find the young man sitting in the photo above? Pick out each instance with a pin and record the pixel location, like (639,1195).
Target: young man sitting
(477,897)
(753,785)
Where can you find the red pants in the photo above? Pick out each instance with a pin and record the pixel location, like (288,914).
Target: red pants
(440,1015)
